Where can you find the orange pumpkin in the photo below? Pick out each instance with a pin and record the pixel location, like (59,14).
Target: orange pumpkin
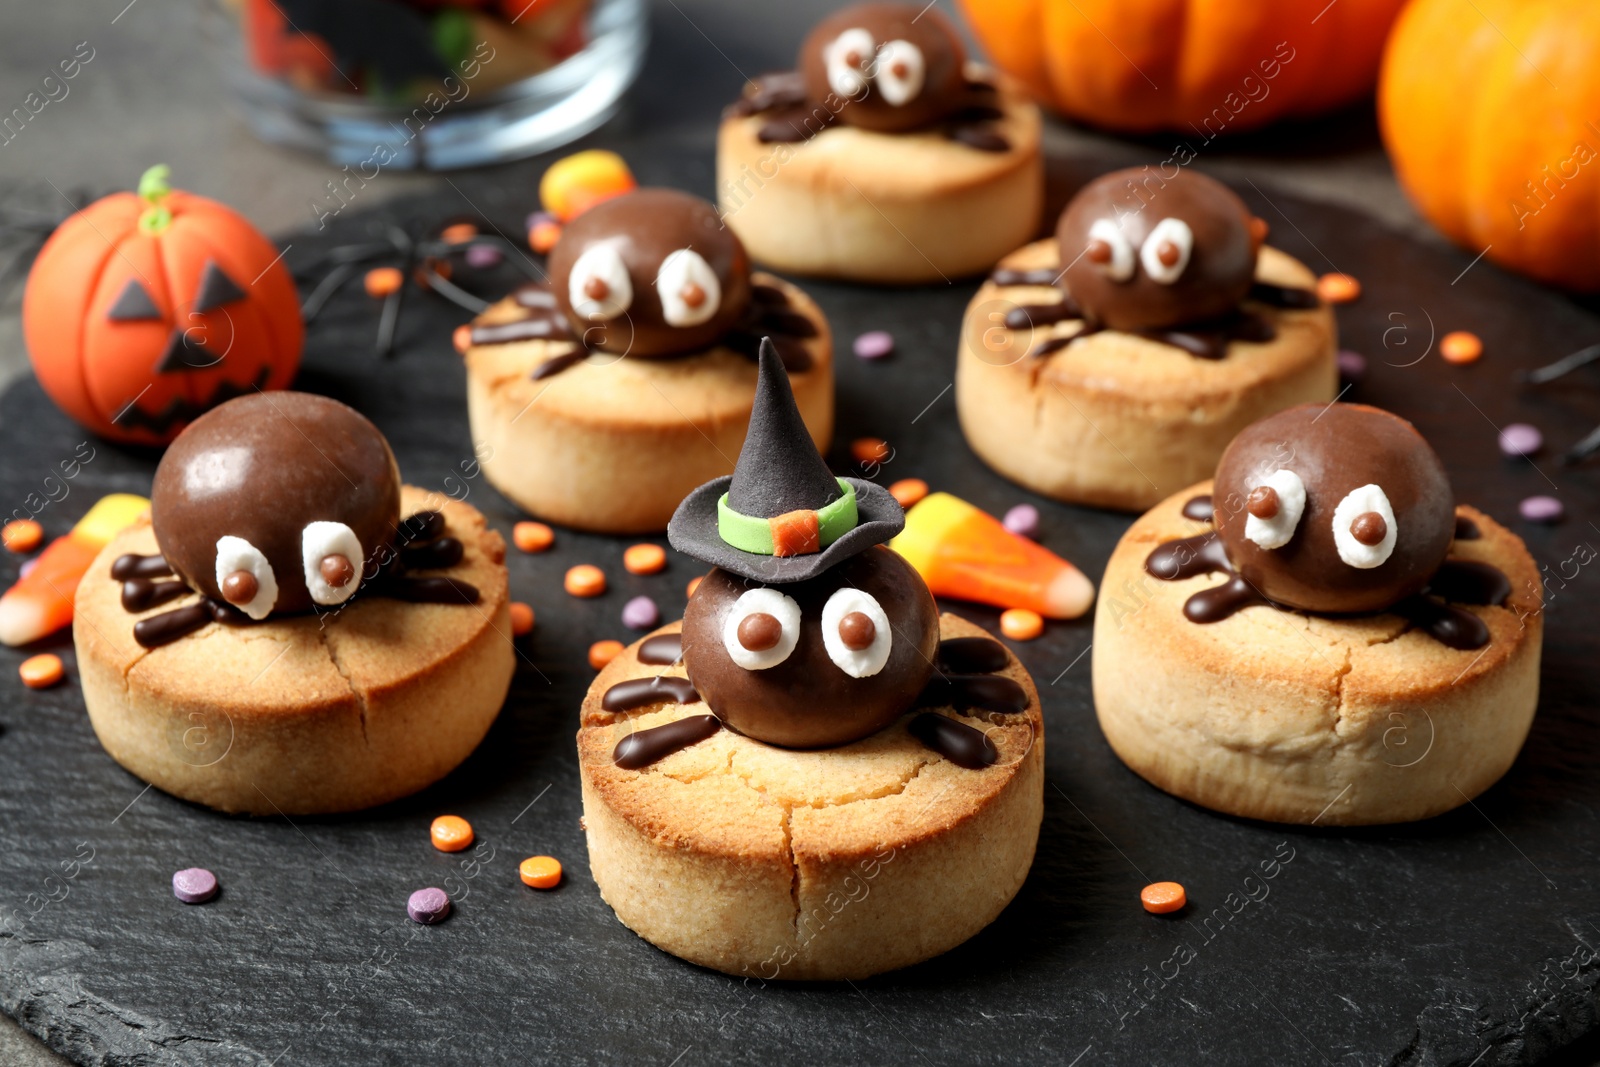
(1491,113)
(1199,67)
(144,310)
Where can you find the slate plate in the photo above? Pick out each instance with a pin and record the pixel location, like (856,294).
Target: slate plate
(1462,940)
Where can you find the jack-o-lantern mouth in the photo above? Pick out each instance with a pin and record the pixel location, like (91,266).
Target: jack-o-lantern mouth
(181,409)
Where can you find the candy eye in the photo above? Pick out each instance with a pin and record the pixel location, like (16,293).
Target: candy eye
(1166,251)
(845,58)
(1364,529)
(901,70)
(1273,509)
(688,287)
(761,629)
(856,633)
(599,287)
(245,577)
(332,556)
(1110,248)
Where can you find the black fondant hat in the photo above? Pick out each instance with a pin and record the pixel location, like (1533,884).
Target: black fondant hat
(781,516)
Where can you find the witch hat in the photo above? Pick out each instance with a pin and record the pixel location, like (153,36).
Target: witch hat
(781,516)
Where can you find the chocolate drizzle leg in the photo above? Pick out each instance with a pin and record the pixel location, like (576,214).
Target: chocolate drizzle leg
(142,594)
(955,741)
(134,565)
(1199,508)
(644,747)
(662,650)
(642,692)
(972,655)
(963,692)
(167,627)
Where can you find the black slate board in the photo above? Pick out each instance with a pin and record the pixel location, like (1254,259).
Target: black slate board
(1464,940)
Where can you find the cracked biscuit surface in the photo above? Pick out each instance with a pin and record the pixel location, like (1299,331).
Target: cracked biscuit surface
(307,713)
(785,864)
(1278,715)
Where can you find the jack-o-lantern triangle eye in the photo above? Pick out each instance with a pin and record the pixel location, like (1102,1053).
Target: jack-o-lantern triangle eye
(216,288)
(134,305)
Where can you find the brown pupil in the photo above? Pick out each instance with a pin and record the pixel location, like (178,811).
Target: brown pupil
(1167,253)
(1099,251)
(1263,502)
(596,289)
(759,631)
(857,631)
(240,587)
(852,58)
(1369,528)
(899,69)
(692,295)
(337,570)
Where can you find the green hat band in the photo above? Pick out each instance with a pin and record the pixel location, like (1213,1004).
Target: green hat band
(792,534)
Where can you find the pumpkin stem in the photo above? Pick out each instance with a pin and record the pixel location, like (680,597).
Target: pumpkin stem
(154,187)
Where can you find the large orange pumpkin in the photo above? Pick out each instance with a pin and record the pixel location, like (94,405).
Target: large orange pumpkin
(144,310)
(1198,67)
(1491,114)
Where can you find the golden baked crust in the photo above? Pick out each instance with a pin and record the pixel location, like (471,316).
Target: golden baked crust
(614,444)
(1117,420)
(883,207)
(302,714)
(1276,715)
(831,864)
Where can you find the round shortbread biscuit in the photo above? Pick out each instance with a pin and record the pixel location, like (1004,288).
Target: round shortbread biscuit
(1278,715)
(302,714)
(829,864)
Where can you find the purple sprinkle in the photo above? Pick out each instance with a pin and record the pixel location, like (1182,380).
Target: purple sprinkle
(1542,509)
(22,571)
(428,906)
(483,257)
(538,217)
(1022,520)
(874,344)
(640,613)
(1520,439)
(1352,365)
(194,885)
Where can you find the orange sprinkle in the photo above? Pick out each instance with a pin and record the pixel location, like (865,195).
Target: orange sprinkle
(541,872)
(543,235)
(603,652)
(1020,624)
(381,281)
(532,536)
(41,671)
(1460,346)
(908,491)
(22,535)
(521,618)
(462,338)
(585,580)
(869,449)
(694,583)
(450,833)
(1160,898)
(1338,288)
(644,559)
(459,233)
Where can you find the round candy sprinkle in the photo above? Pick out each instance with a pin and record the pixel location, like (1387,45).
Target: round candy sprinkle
(41,671)
(194,885)
(21,535)
(908,491)
(603,652)
(483,257)
(544,230)
(694,583)
(1520,439)
(461,338)
(1022,520)
(532,536)
(1020,624)
(1161,898)
(381,281)
(640,613)
(869,450)
(1460,346)
(644,559)
(451,833)
(521,618)
(1547,509)
(458,233)
(428,906)
(874,344)
(1352,365)
(585,580)
(1338,288)
(541,872)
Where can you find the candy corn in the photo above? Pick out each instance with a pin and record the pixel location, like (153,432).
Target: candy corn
(41,601)
(578,182)
(965,553)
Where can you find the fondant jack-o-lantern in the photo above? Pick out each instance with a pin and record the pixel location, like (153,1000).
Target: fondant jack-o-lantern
(144,310)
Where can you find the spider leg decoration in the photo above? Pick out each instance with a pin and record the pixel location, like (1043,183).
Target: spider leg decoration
(1590,443)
